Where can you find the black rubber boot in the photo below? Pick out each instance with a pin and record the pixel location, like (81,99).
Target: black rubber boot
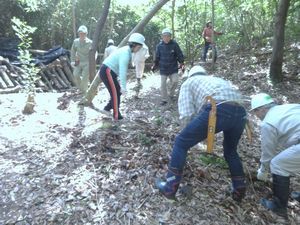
(295,195)
(278,204)
(238,188)
(169,187)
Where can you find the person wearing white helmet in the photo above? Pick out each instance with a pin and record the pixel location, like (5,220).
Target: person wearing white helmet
(110,48)
(115,66)
(280,148)
(194,114)
(167,56)
(80,58)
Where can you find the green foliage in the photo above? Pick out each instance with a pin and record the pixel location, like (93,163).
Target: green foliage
(246,24)
(145,140)
(209,159)
(24,32)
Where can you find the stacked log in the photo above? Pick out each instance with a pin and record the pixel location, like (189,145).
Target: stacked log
(57,76)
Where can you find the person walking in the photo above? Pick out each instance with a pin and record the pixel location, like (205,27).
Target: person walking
(207,34)
(167,56)
(194,114)
(280,148)
(115,66)
(80,58)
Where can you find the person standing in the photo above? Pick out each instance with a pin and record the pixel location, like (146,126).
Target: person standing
(80,58)
(167,56)
(194,114)
(280,148)
(208,41)
(110,48)
(115,66)
(138,60)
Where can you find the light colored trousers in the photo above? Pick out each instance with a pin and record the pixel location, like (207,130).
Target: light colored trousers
(287,162)
(139,69)
(173,82)
(81,75)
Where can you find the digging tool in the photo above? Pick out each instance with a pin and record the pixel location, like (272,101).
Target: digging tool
(211,124)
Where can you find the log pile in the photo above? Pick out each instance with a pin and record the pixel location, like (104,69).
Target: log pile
(57,76)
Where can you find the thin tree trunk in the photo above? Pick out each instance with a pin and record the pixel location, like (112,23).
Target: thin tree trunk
(278,42)
(145,20)
(74,18)
(213,35)
(100,24)
(173,18)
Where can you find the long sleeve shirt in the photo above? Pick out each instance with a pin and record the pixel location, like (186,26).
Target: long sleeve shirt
(118,62)
(109,50)
(208,33)
(167,56)
(141,55)
(80,50)
(280,129)
(195,89)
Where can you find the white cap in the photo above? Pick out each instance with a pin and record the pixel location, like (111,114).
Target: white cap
(166,31)
(260,99)
(197,70)
(83,29)
(137,38)
(110,41)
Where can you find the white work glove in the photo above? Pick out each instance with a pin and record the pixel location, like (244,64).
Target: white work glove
(262,174)
(72,63)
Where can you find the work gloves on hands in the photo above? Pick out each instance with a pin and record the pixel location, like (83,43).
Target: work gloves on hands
(262,173)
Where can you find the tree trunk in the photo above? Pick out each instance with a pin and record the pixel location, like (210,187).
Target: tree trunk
(74,18)
(213,35)
(173,18)
(145,20)
(92,91)
(99,28)
(278,42)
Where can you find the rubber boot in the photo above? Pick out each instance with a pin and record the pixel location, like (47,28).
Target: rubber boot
(295,195)
(169,187)
(238,188)
(278,204)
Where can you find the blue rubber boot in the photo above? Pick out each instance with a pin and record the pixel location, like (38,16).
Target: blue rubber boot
(169,187)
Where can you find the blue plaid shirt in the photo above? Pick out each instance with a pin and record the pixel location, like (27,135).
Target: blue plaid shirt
(195,89)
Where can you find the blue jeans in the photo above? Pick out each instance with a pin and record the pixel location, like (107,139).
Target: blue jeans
(231,120)
(206,47)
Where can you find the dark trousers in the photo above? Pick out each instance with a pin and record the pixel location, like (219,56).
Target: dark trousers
(231,120)
(206,47)
(110,81)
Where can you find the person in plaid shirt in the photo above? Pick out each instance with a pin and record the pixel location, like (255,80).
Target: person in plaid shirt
(194,114)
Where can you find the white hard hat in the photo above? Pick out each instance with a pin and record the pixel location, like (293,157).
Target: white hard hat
(110,41)
(137,38)
(197,70)
(83,29)
(166,31)
(260,99)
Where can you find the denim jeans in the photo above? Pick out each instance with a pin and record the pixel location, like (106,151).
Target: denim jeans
(231,120)
(206,47)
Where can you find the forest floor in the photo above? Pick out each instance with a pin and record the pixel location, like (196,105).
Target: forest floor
(68,164)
